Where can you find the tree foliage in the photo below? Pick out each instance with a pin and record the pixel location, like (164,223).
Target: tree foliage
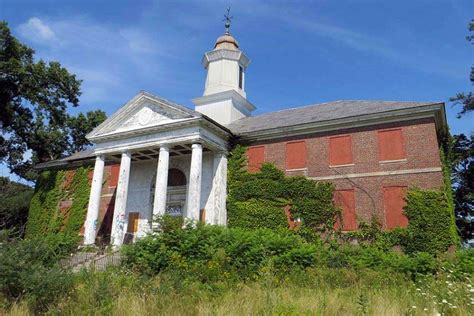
(34,98)
(466,100)
(15,200)
(461,155)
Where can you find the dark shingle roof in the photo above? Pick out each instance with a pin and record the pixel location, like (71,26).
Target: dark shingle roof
(80,155)
(318,113)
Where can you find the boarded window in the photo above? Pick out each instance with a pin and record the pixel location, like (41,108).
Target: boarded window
(340,150)
(391,145)
(133,222)
(296,155)
(394,202)
(114,175)
(345,200)
(256,156)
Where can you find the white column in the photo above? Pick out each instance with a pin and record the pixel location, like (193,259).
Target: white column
(118,224)
(94,201)
(161,185)
(194,189)
(220,191)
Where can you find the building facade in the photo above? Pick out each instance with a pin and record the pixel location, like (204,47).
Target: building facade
(155,157)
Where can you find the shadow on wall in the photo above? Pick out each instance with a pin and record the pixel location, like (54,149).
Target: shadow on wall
(105,229)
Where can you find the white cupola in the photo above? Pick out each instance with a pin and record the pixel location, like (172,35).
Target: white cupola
(224,98)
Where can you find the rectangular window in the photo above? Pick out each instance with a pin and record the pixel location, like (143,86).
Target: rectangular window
(345,200)
(340,150)
(241,77)
(391,145)
(256,156)
(114,175)
(296,155)
(393,204)
(132,226)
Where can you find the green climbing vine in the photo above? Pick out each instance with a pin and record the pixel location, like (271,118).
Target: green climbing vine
(256,200)
(46,219)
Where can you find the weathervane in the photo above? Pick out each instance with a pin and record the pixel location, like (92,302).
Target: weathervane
(227,19)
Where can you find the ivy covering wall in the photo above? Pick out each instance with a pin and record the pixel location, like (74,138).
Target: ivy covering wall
(46,218)
(431,226)
(256,200)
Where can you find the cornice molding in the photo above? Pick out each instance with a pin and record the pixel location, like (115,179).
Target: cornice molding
(218,54)
(233,95)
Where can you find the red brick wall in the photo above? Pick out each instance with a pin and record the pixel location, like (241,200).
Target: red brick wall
(420,146)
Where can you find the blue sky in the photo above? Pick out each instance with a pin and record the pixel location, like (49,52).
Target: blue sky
(302,52)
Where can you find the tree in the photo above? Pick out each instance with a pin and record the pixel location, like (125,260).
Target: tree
(462,162)
(15,199)
(80,126)
(34,97)
(466,100)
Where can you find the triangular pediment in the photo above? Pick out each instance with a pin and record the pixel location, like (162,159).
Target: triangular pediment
(143,111)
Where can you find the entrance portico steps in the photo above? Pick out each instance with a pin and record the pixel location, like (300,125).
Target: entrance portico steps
(98,261)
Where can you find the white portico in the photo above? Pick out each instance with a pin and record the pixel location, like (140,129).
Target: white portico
(173,160)
(151,136)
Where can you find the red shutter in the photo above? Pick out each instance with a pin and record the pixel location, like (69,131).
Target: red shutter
(340,150)
(256,156)
(394,202)
(391,145)
(345,199)
(296,155)
(114,175)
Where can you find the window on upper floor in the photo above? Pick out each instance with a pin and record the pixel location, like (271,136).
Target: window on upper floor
(345,200)
(393,204)
(391,145)
(340,150)
(296,155)
(256,156)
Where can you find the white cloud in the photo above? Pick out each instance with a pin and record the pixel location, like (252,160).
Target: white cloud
(36,30)
(113,60)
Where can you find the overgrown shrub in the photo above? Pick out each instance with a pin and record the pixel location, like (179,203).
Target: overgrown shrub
(310,200)
(431,226)
(29,270)
(211,252)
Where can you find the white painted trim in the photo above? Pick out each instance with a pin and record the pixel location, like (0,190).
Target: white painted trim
(392,161)
(344,165)
(297,169)
(378,174)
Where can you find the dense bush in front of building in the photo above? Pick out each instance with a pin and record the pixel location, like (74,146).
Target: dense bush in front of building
(269,188)
(45,217)
(211,253)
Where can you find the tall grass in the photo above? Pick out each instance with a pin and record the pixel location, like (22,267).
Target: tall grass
(310,292)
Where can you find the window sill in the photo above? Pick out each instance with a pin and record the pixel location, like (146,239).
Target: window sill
(392,161)
(344,165)
(296,169)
